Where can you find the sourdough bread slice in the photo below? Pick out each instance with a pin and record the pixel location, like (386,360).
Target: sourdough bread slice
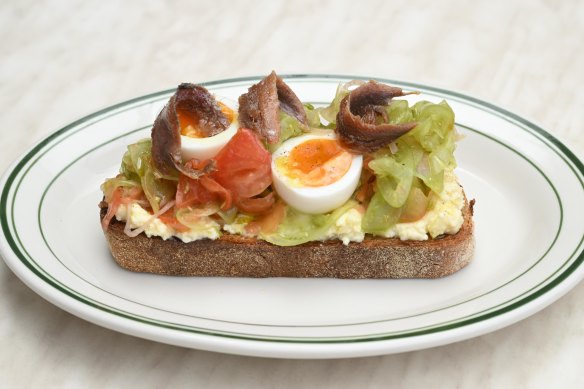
(239,256)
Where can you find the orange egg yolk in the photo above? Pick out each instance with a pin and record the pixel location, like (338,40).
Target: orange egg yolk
(318,162)
(189,122)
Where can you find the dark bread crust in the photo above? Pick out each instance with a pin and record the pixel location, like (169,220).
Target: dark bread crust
(239,256)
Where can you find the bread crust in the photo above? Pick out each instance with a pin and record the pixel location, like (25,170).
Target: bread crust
(240,256)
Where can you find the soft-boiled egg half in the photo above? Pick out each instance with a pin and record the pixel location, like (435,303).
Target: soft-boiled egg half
(193,145)
(314,174)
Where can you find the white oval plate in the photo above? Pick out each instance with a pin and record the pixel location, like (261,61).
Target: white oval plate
(529,244)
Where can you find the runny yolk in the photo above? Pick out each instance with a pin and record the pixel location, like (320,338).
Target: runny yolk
(318,162)
(189,122)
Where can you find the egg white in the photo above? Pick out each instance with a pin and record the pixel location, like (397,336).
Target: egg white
(206,148)
(314,200)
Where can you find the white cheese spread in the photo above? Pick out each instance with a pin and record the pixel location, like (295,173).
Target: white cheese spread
(444,217)
(208,229)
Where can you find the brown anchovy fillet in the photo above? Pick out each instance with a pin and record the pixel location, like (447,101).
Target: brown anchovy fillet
(358,111)
(166,144)
(259,107)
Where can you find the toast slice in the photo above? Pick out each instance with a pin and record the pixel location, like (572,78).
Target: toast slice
(240,256)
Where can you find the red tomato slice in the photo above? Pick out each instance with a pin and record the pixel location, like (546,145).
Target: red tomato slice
(269,222)
(214,187)
(201,192)
(255,205)
(244,165)
(243,170)
(191,192)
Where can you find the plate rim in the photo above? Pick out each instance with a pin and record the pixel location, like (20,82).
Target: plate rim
(369,336)
(562,151)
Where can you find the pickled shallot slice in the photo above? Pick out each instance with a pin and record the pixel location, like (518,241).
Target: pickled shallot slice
(133,233)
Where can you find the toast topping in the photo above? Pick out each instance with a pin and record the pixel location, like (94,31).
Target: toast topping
(444,217)
(288,179)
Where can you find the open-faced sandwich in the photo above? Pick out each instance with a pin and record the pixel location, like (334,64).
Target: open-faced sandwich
(271,187)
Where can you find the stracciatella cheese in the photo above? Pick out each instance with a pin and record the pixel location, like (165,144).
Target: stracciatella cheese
(209,229)
(445,217)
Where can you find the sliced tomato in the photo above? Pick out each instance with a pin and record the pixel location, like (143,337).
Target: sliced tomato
(255,205)
(243,171)
(202,191)
(214,187)
(244,165)
(269,222)
(191,192)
